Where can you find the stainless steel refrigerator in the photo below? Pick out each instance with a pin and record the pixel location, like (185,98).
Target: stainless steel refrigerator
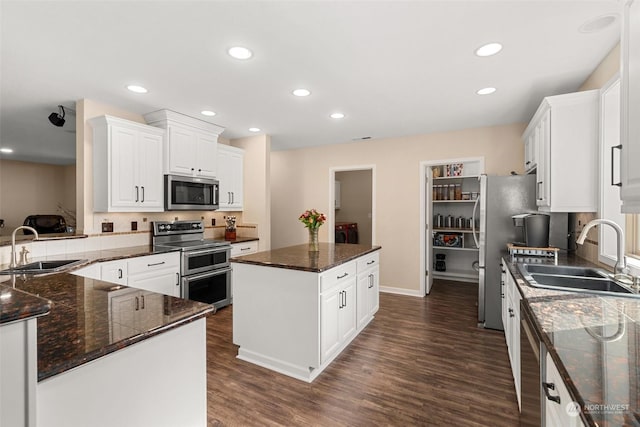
(500,198)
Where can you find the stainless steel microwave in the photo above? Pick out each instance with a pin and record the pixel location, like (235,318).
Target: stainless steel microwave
(184,193)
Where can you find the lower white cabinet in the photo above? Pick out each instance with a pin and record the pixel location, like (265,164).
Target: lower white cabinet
(511,321)
(244,248)
(338,316)
(557,399)
(368,290)
(156,273)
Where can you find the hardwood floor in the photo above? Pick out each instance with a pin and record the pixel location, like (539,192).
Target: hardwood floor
(421,361)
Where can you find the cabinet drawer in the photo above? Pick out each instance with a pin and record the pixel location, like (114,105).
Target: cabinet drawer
(368,261)
(244,248)
(337,275)
(150,263)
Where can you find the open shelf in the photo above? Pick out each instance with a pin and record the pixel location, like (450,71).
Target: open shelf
(454,248)
(454,201)
(453,230)
(461,275)
(455,177)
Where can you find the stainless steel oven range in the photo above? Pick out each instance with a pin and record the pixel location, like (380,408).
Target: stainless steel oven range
(205,268)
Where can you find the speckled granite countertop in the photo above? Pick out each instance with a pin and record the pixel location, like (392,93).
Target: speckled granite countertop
(299,258)
(595,342)
(87,318)
(242,239)
(16,305)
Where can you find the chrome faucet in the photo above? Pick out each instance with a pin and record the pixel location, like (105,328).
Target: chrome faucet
(621,263)
(14,264)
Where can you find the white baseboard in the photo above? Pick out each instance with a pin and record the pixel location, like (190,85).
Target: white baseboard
(401,291)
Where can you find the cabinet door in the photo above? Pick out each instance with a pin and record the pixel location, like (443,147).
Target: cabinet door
(206,159)
(503,295)
(630,118)
(374,291)
(543,171)
(237,180)
(181,150)
(347,314)
(123,308)
(123,167)
(362,310)
(330,330)
(225,177)
(166,282)
(114,272)
(150,172)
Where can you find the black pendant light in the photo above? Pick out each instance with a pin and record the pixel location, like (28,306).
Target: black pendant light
(57,119)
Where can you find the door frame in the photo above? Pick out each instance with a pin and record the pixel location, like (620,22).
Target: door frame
(426,243)
(331,221)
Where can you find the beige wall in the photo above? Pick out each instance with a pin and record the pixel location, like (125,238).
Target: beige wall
(356,199)
(300,180)
(33,188)
(257,185)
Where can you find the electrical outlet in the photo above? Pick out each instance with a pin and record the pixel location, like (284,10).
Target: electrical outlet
(134,225)
(107,227)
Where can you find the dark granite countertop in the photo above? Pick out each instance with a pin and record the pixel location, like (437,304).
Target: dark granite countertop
(90,318)
(595,342)
(299,258)
(242,240)
(16,305)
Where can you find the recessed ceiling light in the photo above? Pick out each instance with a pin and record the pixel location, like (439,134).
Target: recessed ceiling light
(254,129)
(489,49)
(337,116)
(597,24)
(486,91)
(208,113)
(301,92)
(240,52)
(137,89)
(6,150)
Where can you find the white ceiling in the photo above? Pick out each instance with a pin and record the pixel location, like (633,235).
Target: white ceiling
(394,68)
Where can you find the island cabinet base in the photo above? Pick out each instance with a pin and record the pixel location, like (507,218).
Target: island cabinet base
(161,381)
(297,322)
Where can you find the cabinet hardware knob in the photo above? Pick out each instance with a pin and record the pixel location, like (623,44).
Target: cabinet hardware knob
(142,201)
(137,304)
(142,298)
(511,313)
(119,273)
(615,147)
(155,263)
(371,262)
(177,279)
(137,194)
(342,276)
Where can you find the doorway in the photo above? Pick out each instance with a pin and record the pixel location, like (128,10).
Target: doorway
(352,195)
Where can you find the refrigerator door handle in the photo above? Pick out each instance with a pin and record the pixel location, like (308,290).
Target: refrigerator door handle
(473,222)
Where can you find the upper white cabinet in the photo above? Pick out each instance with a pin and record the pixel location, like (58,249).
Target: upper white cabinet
(630,108)
(230,176)
(191,145)
(127,166)
(564,131)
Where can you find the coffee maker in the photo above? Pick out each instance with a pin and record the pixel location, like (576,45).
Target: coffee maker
(535,229)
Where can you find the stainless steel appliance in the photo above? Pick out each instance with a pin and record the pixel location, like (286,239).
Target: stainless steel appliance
(502,197)
(205,266)
(535,229)
(530,381)
(190,193)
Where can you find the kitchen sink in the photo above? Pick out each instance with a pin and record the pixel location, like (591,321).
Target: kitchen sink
(574,283)
(564,270)
(41,267)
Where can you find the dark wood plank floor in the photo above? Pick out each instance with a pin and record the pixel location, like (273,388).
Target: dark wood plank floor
(421,361)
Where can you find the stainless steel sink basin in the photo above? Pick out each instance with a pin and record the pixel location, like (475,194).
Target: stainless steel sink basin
(41,267)
(578,283)
(564,270)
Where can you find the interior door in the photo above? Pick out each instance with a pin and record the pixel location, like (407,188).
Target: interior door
(428,240)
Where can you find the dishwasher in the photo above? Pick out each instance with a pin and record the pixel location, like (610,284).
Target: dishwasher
(530,365)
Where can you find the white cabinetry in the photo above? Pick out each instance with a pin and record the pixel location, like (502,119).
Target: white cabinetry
(244,248)
(565,130)
(230,176)
(630,107)
(511,322)
(338,309)
(368,290)
(557,399)
(127,171)
(156,273)
(142,309)
(191,145)
(531,143)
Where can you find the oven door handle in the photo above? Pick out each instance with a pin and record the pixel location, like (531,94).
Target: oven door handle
(206,274)
(205,251)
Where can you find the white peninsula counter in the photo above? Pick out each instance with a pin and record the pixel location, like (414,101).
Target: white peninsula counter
(294,311)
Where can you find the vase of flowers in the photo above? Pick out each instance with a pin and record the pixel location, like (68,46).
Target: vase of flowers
(230,228)
(312,219)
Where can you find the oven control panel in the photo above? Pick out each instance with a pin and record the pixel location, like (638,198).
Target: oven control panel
(177,227)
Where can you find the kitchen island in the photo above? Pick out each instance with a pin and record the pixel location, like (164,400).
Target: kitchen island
(294,311)
(109,354)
